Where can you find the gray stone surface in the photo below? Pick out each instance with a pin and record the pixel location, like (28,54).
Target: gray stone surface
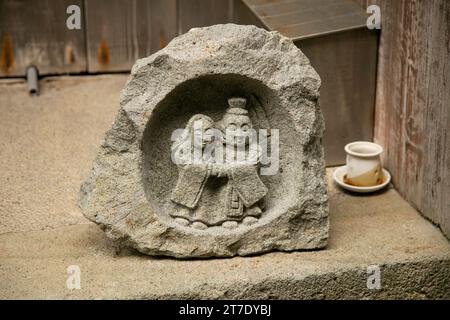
(39,237)
(129,190)
(47,143)
(380,229)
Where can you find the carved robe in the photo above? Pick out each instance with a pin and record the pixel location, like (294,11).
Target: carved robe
(212,199)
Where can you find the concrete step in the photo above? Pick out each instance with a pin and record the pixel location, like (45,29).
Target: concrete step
(48,144)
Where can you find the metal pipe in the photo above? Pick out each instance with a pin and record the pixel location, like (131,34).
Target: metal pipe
(32,80)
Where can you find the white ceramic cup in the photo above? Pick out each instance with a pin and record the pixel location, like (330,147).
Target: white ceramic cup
(363,164)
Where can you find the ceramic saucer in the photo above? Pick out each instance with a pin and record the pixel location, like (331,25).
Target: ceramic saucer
(339,173)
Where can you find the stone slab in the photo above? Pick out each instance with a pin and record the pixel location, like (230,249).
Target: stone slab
(47,143)
(381,229)
(413,255)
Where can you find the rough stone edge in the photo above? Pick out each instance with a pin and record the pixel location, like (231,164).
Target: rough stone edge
(426,279)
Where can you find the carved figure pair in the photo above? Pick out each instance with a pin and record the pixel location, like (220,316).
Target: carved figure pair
(215,190)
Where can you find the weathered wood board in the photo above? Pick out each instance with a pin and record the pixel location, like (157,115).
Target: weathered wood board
(118,32)
(242,14)
(114,33)
(35,33)
(412,118)
(201,13)
(346,62)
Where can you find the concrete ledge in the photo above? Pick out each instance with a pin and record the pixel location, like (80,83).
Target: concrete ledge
(47,146)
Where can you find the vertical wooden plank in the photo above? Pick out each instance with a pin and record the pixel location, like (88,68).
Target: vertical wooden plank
(201,13)
(119,31)
(243,14)
(412,118)
(435,98)
(113,34)
(347,94)
(35,33)
(163,23)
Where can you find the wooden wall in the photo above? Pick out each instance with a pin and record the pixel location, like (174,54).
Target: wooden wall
(121,31)
(412,113)
(35,33)
(114,32)
(199,13)
(118,32)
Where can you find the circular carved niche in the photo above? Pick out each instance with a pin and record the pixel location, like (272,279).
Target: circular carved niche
(208,95)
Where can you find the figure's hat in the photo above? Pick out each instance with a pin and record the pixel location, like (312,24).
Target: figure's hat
(237,105)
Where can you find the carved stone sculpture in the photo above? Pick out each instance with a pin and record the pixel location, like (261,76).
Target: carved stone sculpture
(216,150)
(213,192)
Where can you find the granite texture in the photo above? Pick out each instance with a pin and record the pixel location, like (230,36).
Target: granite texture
(128,191)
